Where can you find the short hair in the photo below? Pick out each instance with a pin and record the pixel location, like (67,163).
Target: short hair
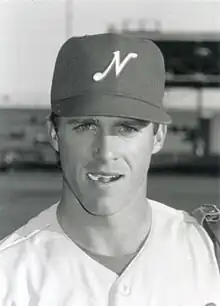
(54,118)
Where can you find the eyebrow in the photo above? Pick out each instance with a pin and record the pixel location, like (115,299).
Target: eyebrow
(131,121)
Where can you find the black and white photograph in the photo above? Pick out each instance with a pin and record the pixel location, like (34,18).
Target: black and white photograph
(109,153)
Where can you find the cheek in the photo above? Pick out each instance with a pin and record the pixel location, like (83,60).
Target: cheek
(139,154)
(73,153)
(142,146)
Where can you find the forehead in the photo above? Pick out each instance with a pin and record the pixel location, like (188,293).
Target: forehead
(106,120)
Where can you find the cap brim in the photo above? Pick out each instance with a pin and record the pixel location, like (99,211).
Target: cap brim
(111,106)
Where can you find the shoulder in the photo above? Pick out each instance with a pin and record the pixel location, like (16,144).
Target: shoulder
(184,227)
(180,221)
(166,212)
(23,235)
(28,248)
(24,253)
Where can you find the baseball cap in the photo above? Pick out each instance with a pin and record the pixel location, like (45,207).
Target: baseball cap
(109,74)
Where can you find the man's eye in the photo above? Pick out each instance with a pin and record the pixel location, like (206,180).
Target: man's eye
(128,129)
(85,127)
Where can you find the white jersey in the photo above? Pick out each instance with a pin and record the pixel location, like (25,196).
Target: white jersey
(41,266)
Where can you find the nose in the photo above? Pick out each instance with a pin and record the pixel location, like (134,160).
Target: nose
(105,148)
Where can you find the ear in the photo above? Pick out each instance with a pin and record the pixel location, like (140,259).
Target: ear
(159,138)
(53,137)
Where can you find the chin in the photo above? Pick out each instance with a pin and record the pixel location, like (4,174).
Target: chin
(102,207)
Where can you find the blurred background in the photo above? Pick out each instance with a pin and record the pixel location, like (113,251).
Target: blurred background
(186,173)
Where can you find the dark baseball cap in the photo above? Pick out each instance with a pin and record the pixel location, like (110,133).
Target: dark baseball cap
(109,75)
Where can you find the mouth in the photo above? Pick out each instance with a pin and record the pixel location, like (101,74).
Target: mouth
(104,178)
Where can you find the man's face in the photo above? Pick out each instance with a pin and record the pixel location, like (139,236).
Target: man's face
(105,160)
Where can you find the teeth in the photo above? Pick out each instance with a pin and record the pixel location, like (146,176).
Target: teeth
(93,177)
(103,178)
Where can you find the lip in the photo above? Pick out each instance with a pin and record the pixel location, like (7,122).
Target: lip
(105,173)
(102,184)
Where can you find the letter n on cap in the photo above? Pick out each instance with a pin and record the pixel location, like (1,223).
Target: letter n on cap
(99,76)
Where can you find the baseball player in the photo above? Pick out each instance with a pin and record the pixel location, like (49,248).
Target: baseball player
(105,243)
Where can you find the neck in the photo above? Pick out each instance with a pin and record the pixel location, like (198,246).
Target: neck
(115,235)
